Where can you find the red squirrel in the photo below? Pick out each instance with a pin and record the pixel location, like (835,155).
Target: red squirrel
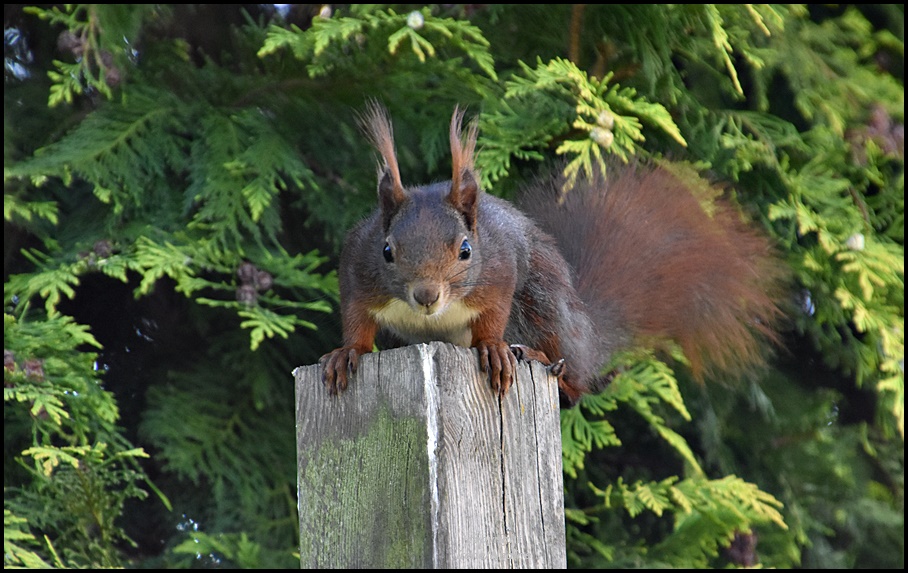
(567,280)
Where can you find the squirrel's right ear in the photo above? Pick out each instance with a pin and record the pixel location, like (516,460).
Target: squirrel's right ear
(377,126)
(464,195)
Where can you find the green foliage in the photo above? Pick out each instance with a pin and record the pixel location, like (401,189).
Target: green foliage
(225,435)
(237,549)
(643,387)
(79,494)
(75,468)
(170,222)
(708,514)
(610,116)
(98,35)
(380,33)
(14,535)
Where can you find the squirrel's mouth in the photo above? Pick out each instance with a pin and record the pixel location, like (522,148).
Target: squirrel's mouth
(435,309)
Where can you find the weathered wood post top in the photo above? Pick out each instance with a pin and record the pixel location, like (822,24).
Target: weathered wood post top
(420,464)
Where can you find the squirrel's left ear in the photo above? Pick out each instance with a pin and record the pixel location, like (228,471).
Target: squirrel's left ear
(464,195)
(377,126)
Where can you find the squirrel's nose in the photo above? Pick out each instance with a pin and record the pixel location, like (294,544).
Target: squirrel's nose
(426,294)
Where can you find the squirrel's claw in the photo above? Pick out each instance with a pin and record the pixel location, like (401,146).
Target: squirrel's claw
(525,353)
(339,366)
(568,394)
(497,360)
(557,368)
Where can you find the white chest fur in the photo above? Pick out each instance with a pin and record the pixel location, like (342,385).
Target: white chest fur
(452,324)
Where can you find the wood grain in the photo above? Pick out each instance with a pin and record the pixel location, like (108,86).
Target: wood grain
(420,464)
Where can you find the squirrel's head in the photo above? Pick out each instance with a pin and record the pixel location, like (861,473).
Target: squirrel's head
(430,231)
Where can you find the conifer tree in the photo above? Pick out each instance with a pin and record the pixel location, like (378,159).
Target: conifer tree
(178,179)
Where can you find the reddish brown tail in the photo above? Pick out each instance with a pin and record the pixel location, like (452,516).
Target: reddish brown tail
(653,263)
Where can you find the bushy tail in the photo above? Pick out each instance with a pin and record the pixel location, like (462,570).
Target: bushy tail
(656,258)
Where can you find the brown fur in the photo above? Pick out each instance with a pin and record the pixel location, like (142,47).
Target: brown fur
(650,261)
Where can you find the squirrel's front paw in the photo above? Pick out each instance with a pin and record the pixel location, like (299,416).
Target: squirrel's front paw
(497,360)
(339,364)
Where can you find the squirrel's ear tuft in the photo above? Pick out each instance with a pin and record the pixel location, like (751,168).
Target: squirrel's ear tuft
(377,127)
(464,195)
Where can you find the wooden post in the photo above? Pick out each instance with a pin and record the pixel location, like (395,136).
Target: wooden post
(419,464)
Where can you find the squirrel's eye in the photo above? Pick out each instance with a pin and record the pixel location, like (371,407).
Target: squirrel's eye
(387,253)
(465,250)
